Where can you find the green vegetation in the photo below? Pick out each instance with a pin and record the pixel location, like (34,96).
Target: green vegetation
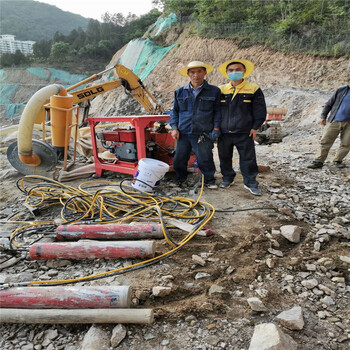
(97,44)
(319,27)
(33,20)
(16,59)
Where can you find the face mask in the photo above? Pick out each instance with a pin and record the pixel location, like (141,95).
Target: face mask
(235,75)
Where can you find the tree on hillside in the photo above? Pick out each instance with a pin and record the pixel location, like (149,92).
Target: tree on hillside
(59,51)
(116,19)
(13,59)
(77,39)
(315,26)
(58,37)
(100,41)
(183,7)
(159,4)
(42,49)
(19,58)
(6,60)
(93,31)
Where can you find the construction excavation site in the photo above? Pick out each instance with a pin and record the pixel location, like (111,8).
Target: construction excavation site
(99,251)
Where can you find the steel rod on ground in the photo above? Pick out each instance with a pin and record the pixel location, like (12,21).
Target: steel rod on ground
(109,231)
(86,249)
(52,316)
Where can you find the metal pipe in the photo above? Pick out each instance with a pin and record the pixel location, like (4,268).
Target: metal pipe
(277,110)
(92,249)
(95,297)
(109,231)
(52,316)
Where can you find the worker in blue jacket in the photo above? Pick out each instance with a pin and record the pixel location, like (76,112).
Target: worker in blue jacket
(195,122)
(335,117)
(243,111)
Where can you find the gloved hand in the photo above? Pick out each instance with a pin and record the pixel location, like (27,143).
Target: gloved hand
(214,135)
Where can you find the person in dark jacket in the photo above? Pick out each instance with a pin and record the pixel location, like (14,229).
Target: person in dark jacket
(243,111)
(338,122)
(195,121)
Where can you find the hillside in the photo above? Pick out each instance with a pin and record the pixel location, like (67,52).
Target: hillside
(274,71)
(33,20)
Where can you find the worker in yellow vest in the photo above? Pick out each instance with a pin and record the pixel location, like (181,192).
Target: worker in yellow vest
(243,111)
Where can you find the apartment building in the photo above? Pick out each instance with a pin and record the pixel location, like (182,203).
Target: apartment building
(9,44)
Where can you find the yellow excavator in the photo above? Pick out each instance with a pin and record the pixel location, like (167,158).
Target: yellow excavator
(126,78)
(60,105)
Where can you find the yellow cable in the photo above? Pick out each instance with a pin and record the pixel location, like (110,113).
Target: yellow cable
(74,280)
(148,203)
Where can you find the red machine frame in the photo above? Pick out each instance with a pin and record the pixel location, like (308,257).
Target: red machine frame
(139,123)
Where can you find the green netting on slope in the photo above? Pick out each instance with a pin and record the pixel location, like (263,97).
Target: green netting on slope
(161,24)
(150,56)
(142,56)
(3,75)
(6,92)
(39,72)
(132,53)
(14,109)
(66,77)
(61,75)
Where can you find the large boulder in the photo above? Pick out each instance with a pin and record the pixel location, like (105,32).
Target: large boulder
(292,319)
(267,336)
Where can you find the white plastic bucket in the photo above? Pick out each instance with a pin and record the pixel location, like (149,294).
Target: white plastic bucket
(149,173)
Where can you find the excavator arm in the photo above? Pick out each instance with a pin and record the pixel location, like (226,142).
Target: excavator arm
(128,79)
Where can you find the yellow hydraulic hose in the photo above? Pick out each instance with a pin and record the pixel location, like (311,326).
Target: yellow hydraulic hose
(148,203)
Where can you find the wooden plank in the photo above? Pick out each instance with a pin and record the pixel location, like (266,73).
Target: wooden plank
(188,227)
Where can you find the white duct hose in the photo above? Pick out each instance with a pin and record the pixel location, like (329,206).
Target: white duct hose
(30,112)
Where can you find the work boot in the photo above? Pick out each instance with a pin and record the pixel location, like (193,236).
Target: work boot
(339,164)
(226,184)
(177,183)
(212,186)
(253,190)
(315,165)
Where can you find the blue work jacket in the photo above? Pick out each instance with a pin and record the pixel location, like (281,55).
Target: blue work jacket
(333,104)
(196,115)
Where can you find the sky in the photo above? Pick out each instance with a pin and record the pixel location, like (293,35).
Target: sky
(95,8)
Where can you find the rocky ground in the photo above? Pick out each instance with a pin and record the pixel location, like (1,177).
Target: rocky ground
(291,253)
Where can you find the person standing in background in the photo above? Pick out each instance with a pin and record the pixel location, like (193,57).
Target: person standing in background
(338,122)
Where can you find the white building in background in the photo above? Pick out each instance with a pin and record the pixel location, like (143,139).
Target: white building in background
(8,44)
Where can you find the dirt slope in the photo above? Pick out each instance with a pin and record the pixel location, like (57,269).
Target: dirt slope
(273,71)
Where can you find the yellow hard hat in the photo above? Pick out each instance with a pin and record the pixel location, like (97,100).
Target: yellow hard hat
(249,67)
(195,64)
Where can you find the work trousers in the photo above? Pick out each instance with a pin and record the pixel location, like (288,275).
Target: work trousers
(204,153)
(247,158)
(330,134)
